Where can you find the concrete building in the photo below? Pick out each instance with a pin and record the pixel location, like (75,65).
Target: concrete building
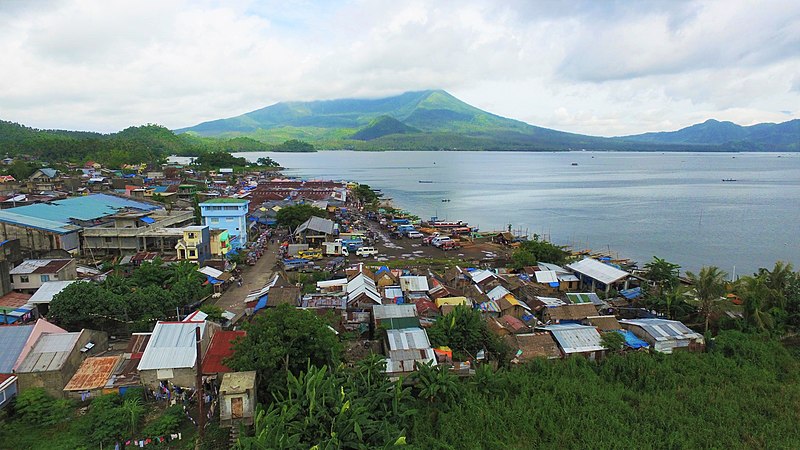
(171,353)
(33,273)
(237,396)
(220,243)
(55,358)
(228,214)
(45,179)
(195,246)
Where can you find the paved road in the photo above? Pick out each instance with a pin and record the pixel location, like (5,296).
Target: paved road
(253,277)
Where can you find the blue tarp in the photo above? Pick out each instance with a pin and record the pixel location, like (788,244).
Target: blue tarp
(262,303)
(148,220)
(633,341)
(631,294)
(554,284)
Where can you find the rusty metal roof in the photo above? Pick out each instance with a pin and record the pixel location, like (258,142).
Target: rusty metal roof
(93,373)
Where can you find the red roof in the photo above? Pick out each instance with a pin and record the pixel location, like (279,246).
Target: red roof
(5,376)
(221,347)
(14,299)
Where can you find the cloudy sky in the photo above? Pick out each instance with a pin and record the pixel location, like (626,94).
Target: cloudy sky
(596,67)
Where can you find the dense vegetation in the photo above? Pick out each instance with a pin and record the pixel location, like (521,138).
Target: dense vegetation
(143,144)
(531,252)
(293,216)
(151,293)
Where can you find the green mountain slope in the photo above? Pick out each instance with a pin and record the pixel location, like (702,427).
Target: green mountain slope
(435,120)
(761,137)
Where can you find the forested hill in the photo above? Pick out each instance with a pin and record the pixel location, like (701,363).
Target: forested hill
(144,143)
(783,136)
(436,120)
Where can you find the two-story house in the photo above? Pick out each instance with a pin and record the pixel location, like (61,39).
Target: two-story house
(45,179)
(227,214)
(32,273)
(195,245)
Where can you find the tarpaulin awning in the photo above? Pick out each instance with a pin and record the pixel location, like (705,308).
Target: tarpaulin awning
(148,220)
(631,294)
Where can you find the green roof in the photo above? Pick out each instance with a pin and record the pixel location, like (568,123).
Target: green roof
(225,200)
(397,323)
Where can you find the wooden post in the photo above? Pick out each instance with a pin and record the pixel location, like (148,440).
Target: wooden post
(201,419)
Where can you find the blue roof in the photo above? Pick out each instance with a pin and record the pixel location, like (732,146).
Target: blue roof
(13,339)
(262,303)
(56,216)
(631,340)
(48,172)
(160,189)
(631,294)
(148,220)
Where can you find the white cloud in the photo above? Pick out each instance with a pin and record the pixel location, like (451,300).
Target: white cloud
(604,68)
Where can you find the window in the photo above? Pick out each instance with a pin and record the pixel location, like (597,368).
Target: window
(215,220)
(231,208)
(229,219)
(164,374)
(107,240)
(191,235)
(192,253)
(45,278)
(23,279)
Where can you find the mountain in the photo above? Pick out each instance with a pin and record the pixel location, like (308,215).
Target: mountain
(761,137)
(424,120)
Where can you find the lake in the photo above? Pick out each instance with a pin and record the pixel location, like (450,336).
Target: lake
(675,205)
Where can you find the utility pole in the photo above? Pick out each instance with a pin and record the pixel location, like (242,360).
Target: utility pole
(201,419)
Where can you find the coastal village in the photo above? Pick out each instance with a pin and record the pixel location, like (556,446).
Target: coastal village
(382,276)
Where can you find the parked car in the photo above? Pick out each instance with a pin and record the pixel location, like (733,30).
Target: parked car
(415,234)
(439,240)
(366,251)
(311,253)
(449,245)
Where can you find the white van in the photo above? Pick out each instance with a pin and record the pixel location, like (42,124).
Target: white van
(439,240)
(366,251)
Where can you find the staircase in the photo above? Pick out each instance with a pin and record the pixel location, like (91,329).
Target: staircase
(234,435)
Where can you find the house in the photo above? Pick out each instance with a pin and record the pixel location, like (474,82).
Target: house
(447,304)
(55,357)
(17,342)
(33,273)
(92,376)
(414,283)
(528,346)
(171,353)
(508,303)
(15,308)
(566,280)
(220,242)
(283,295)
(404,348)
(227,214)
(237,397)
(315,231)
(195,246)
(664,335)
(362,292)
(45,179)
(44,295)
(575,339)
(221,347)
(8,389)
(391,317)
(569,313)
(599,276)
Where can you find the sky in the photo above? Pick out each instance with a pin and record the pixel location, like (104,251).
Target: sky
(603,68)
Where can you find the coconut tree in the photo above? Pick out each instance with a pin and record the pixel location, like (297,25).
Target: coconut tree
(756,297)
(708,288)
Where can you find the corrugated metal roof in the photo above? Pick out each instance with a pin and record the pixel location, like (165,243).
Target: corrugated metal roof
(48,290)
(551,302)
(576,338)
(598,271)
(393,311)
(39,266)
(392,292)
(497,293)
(93,373)
(415,283)
(546,276)
(210,271)
(13,339)
(663,329)
(555,268)
(221,347)
(49,353)
(56,215)
(586,297)
(407,339)
(479,276)
(453,301)
(317,224)
(172,345)
(405,360)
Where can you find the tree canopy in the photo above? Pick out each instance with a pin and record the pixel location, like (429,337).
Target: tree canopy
(292,216)
(530,252)
(466,333)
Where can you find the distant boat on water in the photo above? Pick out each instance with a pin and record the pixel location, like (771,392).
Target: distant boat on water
(729,179)
(445,199)
(574,164)
(425,181)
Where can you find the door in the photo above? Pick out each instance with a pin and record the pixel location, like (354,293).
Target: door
(237,408)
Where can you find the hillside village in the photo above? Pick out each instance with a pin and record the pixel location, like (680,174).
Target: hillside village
(195,259)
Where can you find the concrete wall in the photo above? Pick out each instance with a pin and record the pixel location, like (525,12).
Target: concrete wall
(68,272)
(183,377)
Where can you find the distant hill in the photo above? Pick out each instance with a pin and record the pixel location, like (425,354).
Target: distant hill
(761,137)
(436,120)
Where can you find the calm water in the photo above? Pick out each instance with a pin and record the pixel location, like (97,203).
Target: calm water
(673,205)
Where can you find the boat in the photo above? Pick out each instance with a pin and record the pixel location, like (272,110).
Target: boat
(425,181)
(729,179)
(445,199)
(574,164)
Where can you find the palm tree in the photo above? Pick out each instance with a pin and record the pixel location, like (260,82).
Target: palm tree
(777,280)
(133,410)
(756,296)
(708,288)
